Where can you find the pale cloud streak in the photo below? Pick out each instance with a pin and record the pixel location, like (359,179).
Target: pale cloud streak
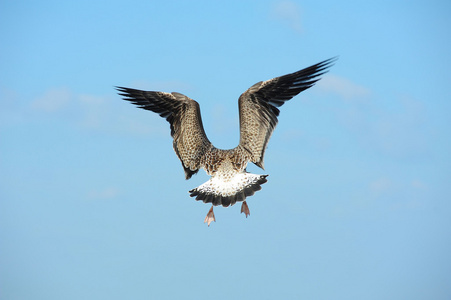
(419,185)
(93,112)
(395,127)
(381,185)
(103,194)
(289,13)
(343,87)
(165,86)
(108,114)
(52,100)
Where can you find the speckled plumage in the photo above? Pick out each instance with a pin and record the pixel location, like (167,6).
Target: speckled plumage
(229,182)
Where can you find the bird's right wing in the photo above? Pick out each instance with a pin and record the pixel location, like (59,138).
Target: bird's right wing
(183,114)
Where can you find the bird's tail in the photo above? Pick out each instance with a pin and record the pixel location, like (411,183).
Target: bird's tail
(225,193)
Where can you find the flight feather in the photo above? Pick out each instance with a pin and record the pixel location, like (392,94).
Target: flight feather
(258,106)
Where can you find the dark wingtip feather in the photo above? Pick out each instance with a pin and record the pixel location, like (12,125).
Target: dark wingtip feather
(326,64)
(123,91)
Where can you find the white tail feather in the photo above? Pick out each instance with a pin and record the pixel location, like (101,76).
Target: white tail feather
(219,191)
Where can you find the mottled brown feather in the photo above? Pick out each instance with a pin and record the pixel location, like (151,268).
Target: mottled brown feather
(258,117)
(183,113)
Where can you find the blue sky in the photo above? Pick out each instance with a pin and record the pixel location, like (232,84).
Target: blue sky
(93,201)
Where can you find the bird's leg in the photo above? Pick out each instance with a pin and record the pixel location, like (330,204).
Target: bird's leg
(245,209)
(210,216)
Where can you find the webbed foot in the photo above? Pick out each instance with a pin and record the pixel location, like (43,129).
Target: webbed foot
(210,217)
(245,209)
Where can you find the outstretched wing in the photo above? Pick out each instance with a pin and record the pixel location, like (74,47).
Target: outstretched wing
(183,114)
(258,106)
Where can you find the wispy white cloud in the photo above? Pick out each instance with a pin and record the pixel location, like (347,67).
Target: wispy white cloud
(381,185)
(92,112)
(395,128)
(166,86)
(103,194)
(52,100)
(343,87)
(418,184)
(288,12)
(106,114)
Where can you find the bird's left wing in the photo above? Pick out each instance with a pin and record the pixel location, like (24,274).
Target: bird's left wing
(183,114)
(258,106)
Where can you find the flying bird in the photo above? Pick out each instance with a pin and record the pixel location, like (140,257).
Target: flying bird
(258,112)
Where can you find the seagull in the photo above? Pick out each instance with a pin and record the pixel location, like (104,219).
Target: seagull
(258,111)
